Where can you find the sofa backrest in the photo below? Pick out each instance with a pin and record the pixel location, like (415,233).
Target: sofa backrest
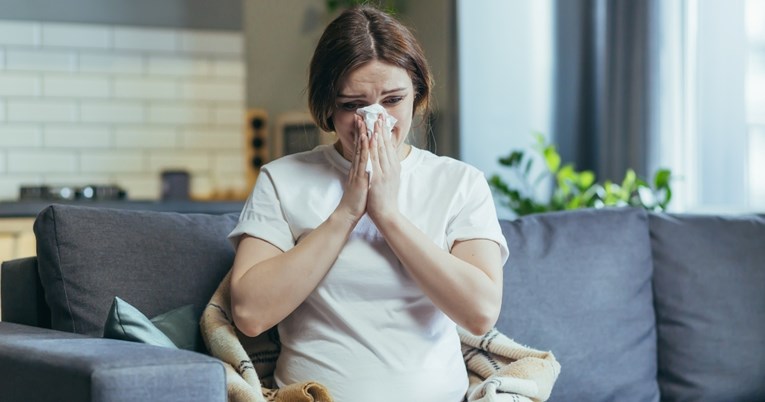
(709,287)
(156,261)
(579,284)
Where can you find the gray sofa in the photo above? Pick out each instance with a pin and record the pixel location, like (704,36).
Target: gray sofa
(635,306)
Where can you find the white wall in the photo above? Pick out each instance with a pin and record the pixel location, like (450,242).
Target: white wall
(721,105)
(280,39)
(193,14)
(505,61)
(95,104)
(434,25)
(701,104)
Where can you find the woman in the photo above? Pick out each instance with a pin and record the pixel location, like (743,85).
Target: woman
(366,274)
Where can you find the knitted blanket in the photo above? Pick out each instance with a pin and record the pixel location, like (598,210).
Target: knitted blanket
(498,368)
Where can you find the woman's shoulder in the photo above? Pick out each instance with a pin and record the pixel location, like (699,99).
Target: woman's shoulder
(297,161)
(447,164)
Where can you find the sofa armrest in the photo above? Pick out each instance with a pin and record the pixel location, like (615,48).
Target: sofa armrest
(23,299)
(39,364)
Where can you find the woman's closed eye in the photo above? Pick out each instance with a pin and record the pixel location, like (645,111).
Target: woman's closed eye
(351,106)
(393,100)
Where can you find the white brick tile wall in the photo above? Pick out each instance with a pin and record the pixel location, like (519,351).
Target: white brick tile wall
(229,162)
(112,162)
(192,161)
(149,39)
(19,33)
(178,113)
(76,35)
(42,161)
(139,187)
(232,91)
(111,63)
(218,138)
(98,104)
(232,68)
(19,84)
(76,136)
(39,60)
(229,115)
(76,179)
(111,112)
(178,66)
(202,186)
(145,88)
(211,42)
(10,184)
(41,110)
(230,183)
(70,85)
(145,137)
(20,136)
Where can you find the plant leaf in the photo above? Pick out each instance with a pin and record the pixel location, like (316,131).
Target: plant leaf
(552,159)
(586,179)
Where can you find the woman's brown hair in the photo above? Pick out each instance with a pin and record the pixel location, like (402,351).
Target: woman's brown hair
(359,35)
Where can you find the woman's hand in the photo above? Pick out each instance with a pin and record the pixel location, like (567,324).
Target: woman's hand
(353,205)
(382,200)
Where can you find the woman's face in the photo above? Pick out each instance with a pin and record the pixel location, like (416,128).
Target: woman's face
(374,82)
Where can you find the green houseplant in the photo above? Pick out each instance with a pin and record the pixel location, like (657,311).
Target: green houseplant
(573,189)
(389,6)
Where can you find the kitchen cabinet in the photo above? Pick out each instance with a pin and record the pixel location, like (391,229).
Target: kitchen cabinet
(16,238)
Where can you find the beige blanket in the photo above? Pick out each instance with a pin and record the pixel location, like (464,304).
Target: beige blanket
(498,368)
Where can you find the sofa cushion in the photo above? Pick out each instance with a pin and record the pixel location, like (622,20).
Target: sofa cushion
(126,323)
(155,260)
(181,325)
(709,285)
(579,284)
(178,328)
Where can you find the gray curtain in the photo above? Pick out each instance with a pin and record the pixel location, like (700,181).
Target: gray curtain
(602,82)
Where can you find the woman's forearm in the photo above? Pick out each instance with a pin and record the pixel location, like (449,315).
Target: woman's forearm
(465,284)
(265,290)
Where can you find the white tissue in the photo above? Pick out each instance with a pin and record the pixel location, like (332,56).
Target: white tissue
(370,114)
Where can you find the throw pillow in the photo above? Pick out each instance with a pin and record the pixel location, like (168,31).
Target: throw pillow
(177,328)
(181,325)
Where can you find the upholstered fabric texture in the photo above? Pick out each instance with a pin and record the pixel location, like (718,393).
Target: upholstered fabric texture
(157,261)
(579,283)
(126,323)
(181,325)
(709,284)
(39,365)
(178,328)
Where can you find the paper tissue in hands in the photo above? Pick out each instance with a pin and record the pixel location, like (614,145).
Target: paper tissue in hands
(370,114)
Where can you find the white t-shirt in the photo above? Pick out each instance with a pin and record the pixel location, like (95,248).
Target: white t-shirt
(367,331)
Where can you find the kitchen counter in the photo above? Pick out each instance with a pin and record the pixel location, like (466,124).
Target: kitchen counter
(19,209)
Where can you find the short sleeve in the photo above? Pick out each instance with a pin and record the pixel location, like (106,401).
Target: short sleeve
(262,216)
(477,219)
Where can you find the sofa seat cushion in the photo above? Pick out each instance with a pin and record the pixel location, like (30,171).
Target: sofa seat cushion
(156,261)
(579,284)
(709,285)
